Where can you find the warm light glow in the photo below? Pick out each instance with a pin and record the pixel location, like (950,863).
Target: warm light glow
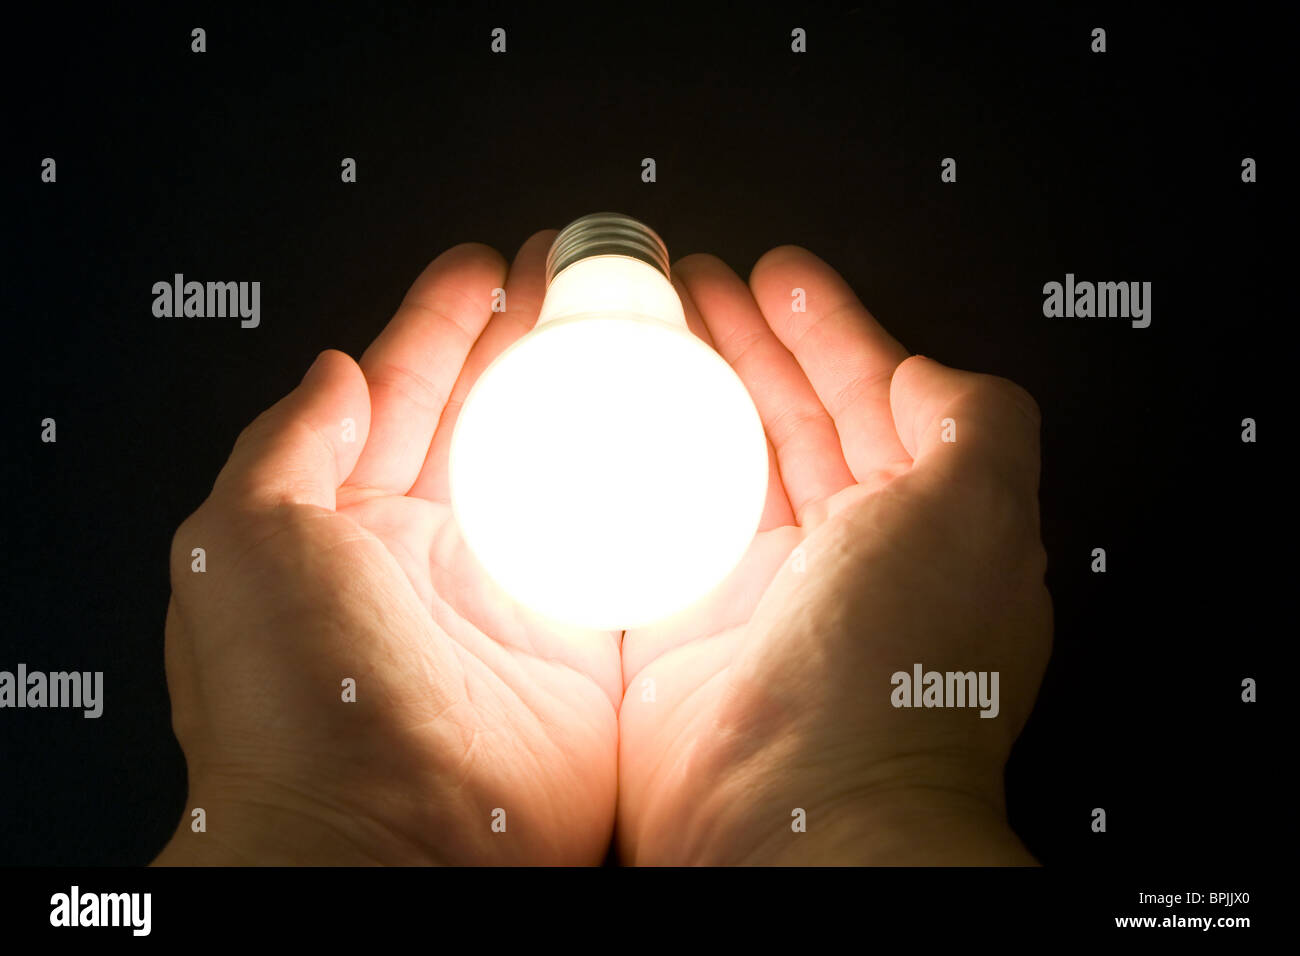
(609,468)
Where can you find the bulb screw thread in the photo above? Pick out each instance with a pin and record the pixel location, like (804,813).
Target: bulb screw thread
(605,234)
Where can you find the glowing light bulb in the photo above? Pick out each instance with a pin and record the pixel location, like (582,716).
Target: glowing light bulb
(609,468)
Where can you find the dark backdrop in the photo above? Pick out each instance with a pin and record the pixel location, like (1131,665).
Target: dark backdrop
(225,166)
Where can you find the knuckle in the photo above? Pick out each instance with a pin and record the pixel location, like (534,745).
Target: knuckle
(994,497)
(249,433)
(408,385)
(186,534)
(190,534)
(212,527)
(1001,504)
(1012,395)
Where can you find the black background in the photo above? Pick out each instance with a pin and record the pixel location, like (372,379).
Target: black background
(225,166)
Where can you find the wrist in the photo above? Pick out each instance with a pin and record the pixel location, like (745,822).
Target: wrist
(253,830)
(909,827)
(918,810)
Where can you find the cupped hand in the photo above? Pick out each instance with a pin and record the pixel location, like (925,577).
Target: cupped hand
(333,570)
(901,528)
(480,733)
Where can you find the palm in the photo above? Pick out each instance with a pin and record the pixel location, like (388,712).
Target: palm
(681,675)
(537,722)
(499,730)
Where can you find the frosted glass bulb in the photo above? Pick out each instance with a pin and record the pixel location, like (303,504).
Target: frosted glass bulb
(609,468)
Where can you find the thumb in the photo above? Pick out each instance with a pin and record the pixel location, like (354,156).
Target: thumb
(965,424)
(304,446)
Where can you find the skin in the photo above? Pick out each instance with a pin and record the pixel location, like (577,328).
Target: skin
(881,546)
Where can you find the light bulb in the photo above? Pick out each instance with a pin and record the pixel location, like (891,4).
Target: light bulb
(609,468)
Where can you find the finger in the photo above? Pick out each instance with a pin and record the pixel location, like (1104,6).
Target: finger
(807,447)
(302,448)
(694,321)
(965,426)
(525,286)
(848,358)
(413,364)
(777,512)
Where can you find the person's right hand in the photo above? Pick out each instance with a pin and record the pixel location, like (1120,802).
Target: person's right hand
(328,559)
(882,546)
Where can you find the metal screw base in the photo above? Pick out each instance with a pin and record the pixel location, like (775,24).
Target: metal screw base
(605,234)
